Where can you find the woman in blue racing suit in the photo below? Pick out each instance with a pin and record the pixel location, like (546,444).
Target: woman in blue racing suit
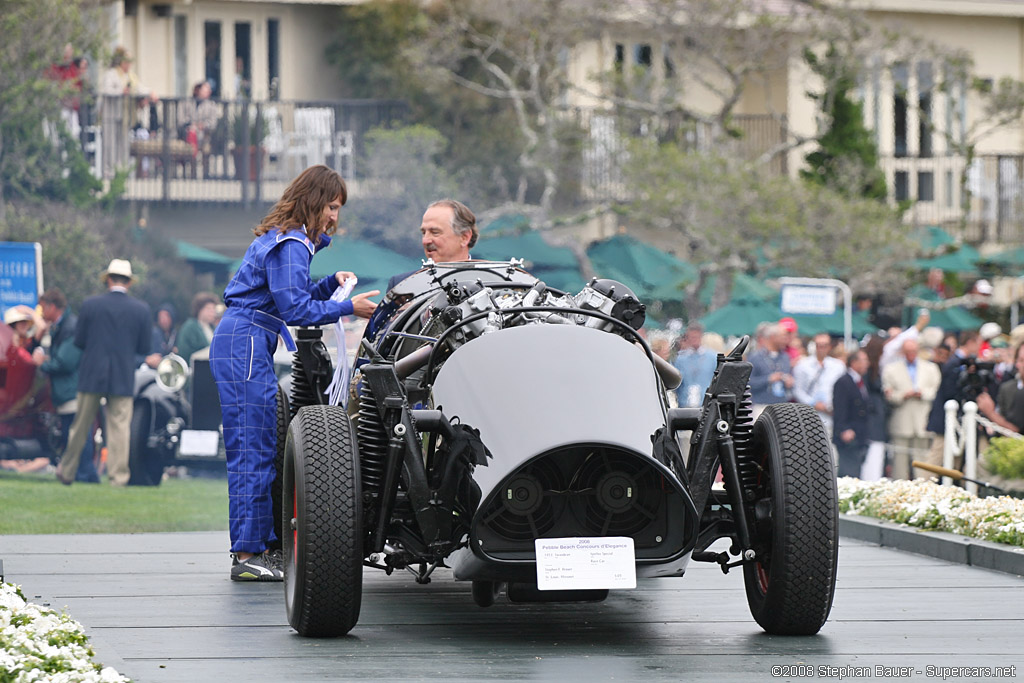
(271,290)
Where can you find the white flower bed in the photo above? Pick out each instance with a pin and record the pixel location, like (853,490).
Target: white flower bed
(38,644)
(928,505)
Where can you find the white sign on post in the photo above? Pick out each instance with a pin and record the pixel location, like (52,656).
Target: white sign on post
(808,300)
(585,563)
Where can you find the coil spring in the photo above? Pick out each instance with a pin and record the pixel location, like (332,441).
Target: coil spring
(302,392)
(373,443)
(743,438)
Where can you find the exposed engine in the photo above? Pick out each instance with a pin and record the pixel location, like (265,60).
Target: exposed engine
(460,301)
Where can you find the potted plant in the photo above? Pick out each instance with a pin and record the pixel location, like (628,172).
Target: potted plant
(248,137)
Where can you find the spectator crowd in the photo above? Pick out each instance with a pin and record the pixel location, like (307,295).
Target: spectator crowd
(117,117)
(882,400)
(67,381)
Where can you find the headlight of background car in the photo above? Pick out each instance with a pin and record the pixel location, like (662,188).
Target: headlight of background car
(171,373)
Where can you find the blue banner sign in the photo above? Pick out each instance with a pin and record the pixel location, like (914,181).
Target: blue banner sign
(21,274)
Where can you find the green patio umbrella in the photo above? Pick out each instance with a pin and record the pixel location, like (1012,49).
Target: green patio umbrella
(741,316)
(193,253)
(961,260)
(834,324)
(204,260)
(650,272)
(743,285)
(509,224)
(931,238)
(955,319)
(568,280)
(372,264)
(1010,259)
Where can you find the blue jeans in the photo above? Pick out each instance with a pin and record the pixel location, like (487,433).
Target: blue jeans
(86,466)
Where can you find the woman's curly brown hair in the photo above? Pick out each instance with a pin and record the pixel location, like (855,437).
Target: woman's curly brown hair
(303,203)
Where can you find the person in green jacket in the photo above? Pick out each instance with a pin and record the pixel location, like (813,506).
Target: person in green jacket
(196,332)
(61,364)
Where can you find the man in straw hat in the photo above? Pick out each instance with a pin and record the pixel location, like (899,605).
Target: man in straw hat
(113,329)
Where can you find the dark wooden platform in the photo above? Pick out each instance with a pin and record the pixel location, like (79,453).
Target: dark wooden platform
(160,607)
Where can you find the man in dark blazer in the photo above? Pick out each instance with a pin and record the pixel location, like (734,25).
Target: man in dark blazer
(949,390)
(113,329)
(850,415)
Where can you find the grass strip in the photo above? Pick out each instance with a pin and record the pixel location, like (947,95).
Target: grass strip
(39,504)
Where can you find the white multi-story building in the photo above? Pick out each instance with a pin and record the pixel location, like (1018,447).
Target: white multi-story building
(276,47)
(921,128)
(276,51)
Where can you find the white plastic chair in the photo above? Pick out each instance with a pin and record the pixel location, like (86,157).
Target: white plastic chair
(312,138)
(344,154)
(274,142)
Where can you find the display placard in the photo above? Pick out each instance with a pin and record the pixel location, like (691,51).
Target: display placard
(808,300)
(585,563)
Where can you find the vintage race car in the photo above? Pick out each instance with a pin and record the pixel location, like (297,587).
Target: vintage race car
(521,436)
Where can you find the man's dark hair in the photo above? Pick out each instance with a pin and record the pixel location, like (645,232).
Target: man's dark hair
(967,336)
(54,296)
(119,280)
(201,300)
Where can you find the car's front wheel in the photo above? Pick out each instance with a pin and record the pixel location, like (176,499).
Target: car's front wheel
(283,419)
(791,585)
(323,549)
(145,464)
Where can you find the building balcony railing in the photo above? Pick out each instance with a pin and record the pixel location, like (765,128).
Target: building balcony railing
(930,185)
(933,186)
(606,144)
(180,150)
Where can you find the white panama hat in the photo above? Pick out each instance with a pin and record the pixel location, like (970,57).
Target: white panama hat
(119,267)
(15,315)
(990,331)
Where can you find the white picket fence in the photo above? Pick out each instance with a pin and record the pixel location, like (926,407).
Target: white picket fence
(962,438)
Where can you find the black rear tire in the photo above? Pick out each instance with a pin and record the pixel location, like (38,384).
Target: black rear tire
(323,546)
(145,465)
(790,587)
(485,592)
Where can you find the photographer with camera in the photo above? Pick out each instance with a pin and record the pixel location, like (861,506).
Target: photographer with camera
(1010,413)
(951,388)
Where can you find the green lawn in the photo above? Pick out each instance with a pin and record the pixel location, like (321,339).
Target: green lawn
(39,504)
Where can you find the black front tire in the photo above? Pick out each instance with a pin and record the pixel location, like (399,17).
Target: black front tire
(284,417)
(145,465)
(790,586)
(323,546)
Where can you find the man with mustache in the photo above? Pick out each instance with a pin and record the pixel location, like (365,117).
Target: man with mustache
(448,232)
